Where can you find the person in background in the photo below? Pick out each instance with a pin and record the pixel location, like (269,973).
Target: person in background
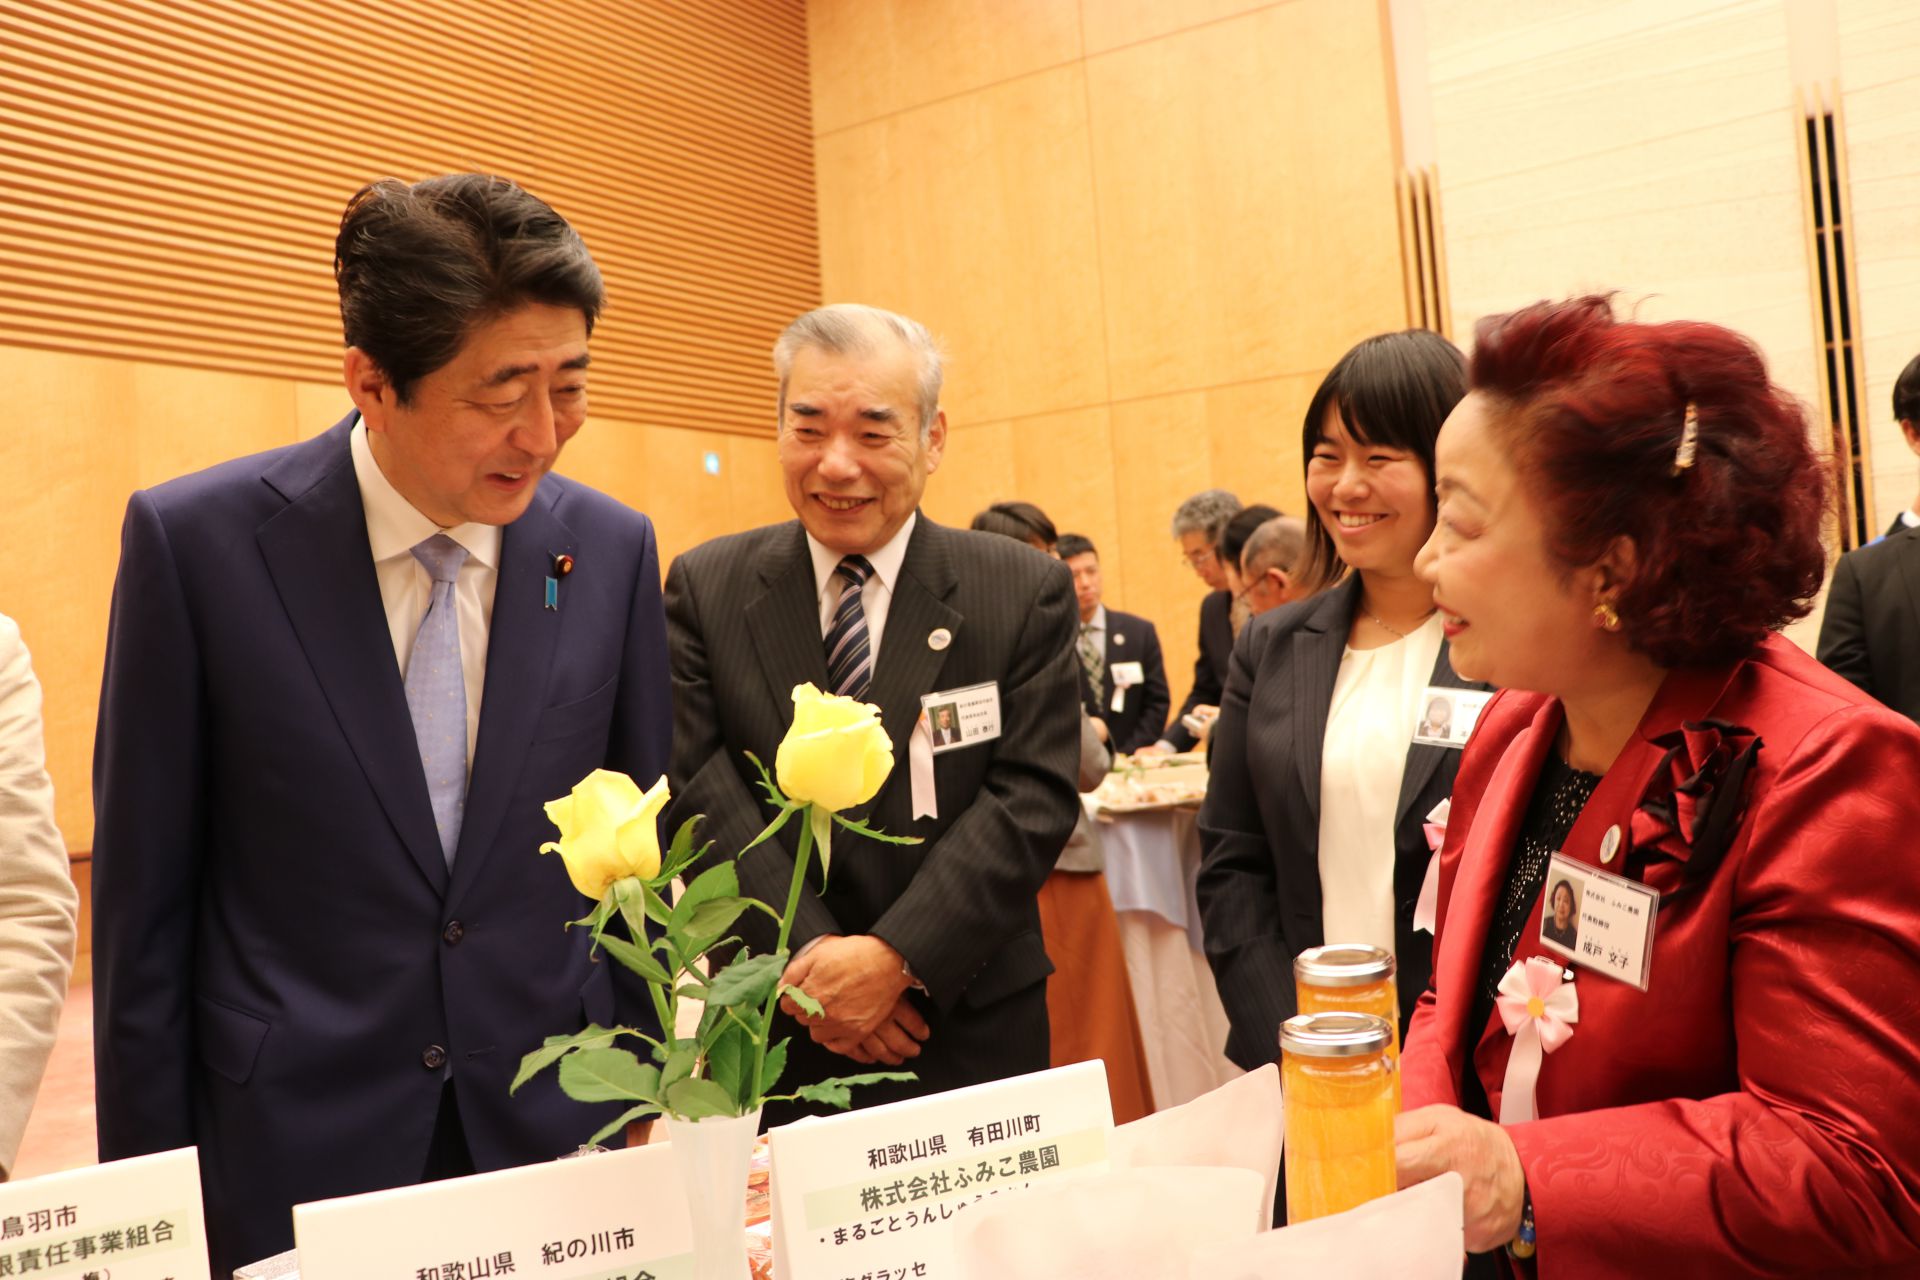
(38,902)
(1119,656)
(1270,564)
(929,952)
(1090,1009)
(1628,513)
(1197,526)
(341,679)
(1233,541)
(1311,830)
(1870,632)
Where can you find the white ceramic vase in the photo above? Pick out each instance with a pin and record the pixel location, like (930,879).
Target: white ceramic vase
(713,1155)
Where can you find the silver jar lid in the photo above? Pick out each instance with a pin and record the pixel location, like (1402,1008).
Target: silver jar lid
(1343,964)
(1335,1035)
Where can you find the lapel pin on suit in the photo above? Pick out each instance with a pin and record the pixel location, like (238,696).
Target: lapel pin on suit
(1118,638)
(562,566)
(939,638)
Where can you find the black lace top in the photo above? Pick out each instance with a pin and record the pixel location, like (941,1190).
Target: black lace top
(1558,798)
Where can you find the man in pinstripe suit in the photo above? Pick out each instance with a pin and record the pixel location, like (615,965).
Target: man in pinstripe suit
(927,955)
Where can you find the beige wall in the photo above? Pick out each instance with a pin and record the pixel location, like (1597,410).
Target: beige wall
(1142,228)
(1879,61)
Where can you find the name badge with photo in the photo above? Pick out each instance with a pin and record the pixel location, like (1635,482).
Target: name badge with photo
(1447,716)
(1125,676)
(1599,921)
(962,717)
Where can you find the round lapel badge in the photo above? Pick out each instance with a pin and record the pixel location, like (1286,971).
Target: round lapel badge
(1610,844)
(939,638)
(1119,639)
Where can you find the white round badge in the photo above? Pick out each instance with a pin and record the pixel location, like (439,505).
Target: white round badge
(939,638)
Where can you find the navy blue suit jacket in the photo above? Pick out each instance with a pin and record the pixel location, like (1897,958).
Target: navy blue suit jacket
(284,967)
(1131,638)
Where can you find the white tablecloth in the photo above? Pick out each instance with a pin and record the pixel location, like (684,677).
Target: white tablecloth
(1152,860)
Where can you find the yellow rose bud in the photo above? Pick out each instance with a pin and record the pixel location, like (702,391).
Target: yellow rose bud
(836,754)
(609,830)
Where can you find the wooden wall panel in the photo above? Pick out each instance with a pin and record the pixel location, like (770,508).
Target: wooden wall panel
(1245,176)
(1141,261)
(174,173)
(876,57)
(1879,49)
(1643,147)
(975,216)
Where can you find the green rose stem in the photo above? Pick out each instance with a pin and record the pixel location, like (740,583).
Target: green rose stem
(814,816)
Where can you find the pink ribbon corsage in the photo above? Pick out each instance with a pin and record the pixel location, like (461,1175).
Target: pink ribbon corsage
(1426,911)
(1539,1006)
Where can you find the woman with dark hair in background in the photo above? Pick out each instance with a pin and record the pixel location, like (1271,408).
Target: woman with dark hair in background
(1628,512)
(1312,826)
(1089,999)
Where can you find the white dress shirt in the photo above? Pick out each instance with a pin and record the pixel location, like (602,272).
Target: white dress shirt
(875,598)
(1910,518)
(1376,703)
(394,528)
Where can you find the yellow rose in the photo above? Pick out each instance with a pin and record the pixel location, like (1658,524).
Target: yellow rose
(609,830)
(836,754)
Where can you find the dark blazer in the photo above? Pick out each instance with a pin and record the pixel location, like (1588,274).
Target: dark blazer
(744,620)
(1131,638)
(284,967)
(1259,885)
(1871,631)
(1776,1045)
(1209,668)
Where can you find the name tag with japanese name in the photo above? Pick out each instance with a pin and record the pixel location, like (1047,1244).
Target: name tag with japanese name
(963,717)
(1599,921)
(615,1213)
(878,1190)
(1125,676)
(137,1219)
(1447,715)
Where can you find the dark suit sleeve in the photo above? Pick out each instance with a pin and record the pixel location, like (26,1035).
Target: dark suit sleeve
(954,916)
(1238,889)
(1843,632)
(706,777)
(1157,697)
(149,790)
(642,737)
(1206,690)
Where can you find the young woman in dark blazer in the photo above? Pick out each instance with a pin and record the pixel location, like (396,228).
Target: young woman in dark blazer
(1312,826)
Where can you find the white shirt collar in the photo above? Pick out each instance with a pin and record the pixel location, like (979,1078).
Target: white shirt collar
(1910,518)
(1099,619)
(395,526)
(886,561)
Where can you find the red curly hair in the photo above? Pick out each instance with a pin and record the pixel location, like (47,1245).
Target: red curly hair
(1728,548)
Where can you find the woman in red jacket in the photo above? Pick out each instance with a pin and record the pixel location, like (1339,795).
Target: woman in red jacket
(1719,1081)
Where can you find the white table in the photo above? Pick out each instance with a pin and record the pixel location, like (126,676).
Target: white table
(1152,861)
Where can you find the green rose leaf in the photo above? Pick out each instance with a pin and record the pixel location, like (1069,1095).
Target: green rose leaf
(730,1058)
(635,958)
(838,1092)
(608,1075)
(770,1069)
(681,1060)
(625,1118)
(554,1048)
(808,1005)
(746,981)
(711,919)
(718,881)
(698,1099)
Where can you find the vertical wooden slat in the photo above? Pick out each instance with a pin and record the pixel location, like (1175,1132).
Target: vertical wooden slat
(1861,476)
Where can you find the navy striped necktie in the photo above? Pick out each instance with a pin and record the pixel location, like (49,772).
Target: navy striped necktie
(849,648)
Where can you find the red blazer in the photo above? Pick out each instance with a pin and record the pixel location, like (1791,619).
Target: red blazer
(1756,1111)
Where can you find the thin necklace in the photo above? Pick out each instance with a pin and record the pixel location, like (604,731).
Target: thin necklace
(1384,625)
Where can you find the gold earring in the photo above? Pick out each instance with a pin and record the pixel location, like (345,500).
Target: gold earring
(1609,617)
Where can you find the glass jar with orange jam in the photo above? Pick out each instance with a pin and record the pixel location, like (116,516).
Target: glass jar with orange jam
(1337,1085)
(1353,978)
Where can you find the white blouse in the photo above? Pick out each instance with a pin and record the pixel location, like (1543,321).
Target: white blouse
(1376,703)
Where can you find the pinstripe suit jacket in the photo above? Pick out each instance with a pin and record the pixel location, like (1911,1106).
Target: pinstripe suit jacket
(1259,883)
(744,628)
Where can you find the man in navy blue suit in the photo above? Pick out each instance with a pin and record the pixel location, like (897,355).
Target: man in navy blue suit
(1122,672)
(341,679)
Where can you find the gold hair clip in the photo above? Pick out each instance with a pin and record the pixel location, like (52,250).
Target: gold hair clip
(1689,439)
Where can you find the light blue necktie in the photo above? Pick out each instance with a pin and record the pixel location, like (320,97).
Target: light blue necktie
(437,692)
